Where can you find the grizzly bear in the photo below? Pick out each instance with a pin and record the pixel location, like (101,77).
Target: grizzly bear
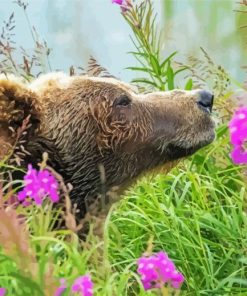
(100,133)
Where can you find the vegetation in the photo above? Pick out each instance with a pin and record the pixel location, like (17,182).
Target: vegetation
(196,213)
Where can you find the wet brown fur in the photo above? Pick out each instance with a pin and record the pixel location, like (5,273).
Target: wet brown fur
(94,127)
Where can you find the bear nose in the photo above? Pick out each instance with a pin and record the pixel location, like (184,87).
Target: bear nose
(205,100)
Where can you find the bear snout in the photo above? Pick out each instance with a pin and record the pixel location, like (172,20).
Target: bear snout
(205,101)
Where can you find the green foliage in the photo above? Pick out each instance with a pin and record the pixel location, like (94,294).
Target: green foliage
(159,73)
(197,214)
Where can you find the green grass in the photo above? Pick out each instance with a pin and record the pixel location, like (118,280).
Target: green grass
(196,213)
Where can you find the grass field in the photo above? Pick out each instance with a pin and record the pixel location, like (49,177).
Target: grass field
(196,213)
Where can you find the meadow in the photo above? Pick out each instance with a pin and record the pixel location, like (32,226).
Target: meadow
(196,213)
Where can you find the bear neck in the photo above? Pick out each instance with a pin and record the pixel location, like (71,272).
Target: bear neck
(92,173)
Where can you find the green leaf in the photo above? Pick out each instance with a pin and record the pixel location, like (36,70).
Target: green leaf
(143,80)
(170,77)
(142,69)
(222,131)
(180,70)
(155,64)
(138,53)
(168,59)
(28,283)
(189,84)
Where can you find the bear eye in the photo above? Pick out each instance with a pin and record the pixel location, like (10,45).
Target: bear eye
(122,101)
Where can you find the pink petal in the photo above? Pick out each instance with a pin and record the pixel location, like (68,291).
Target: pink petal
(238,155)
(119,2)
(21,195)
(54,196)
(177,280)
(61,288)
(38,185)
(156,268)
(238,126)
(84,285)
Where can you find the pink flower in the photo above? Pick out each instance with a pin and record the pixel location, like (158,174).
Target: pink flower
(38,185)
(2,291)
(119,2)
(157,270)
(239,155)
(83,285)
(238,136)
(61,288)
(124,4)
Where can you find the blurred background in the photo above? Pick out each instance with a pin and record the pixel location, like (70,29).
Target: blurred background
(76,29)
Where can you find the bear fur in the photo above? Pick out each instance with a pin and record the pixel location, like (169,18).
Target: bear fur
(99,133)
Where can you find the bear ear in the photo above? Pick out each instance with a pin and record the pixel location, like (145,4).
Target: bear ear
(18,106)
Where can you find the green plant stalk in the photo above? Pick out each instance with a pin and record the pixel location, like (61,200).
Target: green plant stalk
(145,36)
(146,39)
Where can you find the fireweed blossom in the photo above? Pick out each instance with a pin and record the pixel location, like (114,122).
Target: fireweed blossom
(83,285)
(37,186)
(2,291)
(119,2)
(125,5)
(158,269)
(238,136)
(61,288)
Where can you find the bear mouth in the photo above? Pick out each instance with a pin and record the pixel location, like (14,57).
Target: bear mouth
(174,151)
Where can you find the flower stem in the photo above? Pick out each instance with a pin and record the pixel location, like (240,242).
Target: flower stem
(164,291)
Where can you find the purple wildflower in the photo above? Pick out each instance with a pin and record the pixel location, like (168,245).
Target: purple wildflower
(238,135)
(61,288)
(83,285)
(125,5)
(157,270)
(2,291)
(119,2)
(38,185)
